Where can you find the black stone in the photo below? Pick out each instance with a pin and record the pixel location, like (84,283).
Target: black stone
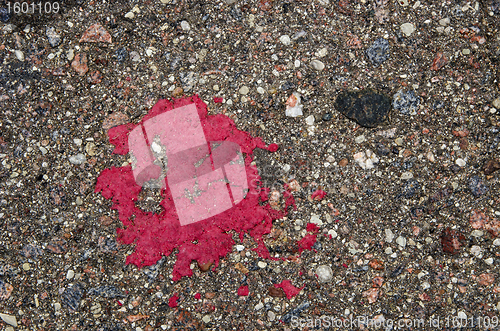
(367,108)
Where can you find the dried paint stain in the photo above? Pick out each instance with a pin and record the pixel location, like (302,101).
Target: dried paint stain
(155,235)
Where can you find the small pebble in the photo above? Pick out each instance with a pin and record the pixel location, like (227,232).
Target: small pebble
(444,21)
(285,40)
(389,235)
(19,55)
(496,103)
(310,120)
(324,273)
(9,319)
(327,117)
(185,26)
(408,29)
(244,90)
(460,162)
(318,65)
(262,264)
(78,159)
(359,139)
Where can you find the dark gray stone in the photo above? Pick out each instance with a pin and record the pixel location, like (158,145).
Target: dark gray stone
(368,108)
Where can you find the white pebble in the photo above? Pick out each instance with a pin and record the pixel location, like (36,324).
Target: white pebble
(185,26)
(318,65)
(460,162)
(324,273)
(262,264)
(333,233)
(401,241)
(359,139)
(244,90)
(322,52)
(489,261)
(9,319)
(19,55)
(310,120)
(285,40)
(407,29)
(389,235)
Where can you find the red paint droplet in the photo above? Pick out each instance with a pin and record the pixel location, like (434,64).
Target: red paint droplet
(172,302)
(311,227)
(318,195)
(218,100)
(307,242)
(273,147)
(243,291)
(288,288)
(345,265)
(197,296)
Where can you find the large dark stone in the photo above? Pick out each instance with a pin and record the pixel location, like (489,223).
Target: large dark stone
(368,108)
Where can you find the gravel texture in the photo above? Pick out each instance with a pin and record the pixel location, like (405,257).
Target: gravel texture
(396,185)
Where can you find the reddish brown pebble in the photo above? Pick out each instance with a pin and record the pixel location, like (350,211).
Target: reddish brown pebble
(477,219)
(377,281)
(491,166)
(486,279)
(439,61)
(371,295)
(424,297)
(376,264)
(95,77)
(79,64)
(5,290)
(492,226)
(461,133)
(57,246)
(210,295)
(451,241)
(106,220)
(276,292)
(115,119)
(204,267)
(96,33)
(343,162)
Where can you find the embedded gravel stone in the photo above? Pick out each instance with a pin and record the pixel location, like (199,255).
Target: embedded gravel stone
(367,108)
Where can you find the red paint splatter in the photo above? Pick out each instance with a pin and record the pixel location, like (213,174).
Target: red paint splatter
(311,227)
(206,241)
(172,302)
(273,147)
(307,242)
(197,296)
(218,100)
(243,291)
(288,288)
(318,195)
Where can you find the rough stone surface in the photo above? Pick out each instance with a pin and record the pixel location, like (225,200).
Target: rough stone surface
(368,108)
